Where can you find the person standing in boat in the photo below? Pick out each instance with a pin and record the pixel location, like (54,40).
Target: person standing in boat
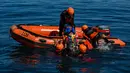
(66,17)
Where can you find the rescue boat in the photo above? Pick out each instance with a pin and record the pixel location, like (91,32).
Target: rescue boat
(43,36)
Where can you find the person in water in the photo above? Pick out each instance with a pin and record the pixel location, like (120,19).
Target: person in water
(95,35)
(66,17)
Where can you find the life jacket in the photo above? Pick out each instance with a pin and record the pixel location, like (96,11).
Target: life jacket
(91,33)
(97,31)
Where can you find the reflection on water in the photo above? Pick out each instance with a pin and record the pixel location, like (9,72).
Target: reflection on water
(35,58)
(19,59)
(25,55)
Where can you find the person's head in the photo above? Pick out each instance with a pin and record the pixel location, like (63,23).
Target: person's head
(70,11)
(84,27)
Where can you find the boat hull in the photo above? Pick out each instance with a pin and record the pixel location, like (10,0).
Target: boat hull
(39,36)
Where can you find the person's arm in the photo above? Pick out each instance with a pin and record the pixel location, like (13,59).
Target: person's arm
(62,23)
(72,21)
(86,37)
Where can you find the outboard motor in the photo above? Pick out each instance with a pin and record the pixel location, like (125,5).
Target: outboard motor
(104,30)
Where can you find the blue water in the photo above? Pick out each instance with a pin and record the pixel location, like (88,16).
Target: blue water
(16,58)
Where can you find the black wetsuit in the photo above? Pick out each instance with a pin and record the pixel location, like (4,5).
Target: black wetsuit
(65,18)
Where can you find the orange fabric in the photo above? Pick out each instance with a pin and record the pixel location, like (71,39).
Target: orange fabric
(88,44)
(32,37)
(29,37)
(93,35)
(59,47)
(45,30)
(84,27)
(24,34)
(82,48)
(117,41)
(40,30)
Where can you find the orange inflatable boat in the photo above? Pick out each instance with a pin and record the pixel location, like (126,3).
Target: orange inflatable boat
(41,36)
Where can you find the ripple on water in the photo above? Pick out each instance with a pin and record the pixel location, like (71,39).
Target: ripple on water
(14,58)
